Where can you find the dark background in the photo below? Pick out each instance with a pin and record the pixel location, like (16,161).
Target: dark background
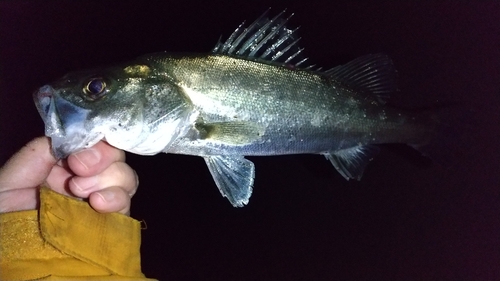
(405,220)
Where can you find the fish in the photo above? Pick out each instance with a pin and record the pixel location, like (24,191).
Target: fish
(254,94)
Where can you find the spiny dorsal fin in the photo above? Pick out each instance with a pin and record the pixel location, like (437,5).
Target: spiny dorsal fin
(264,39)
(372,73)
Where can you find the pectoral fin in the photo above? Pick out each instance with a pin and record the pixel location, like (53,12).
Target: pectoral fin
(351,162)
(235,133)
(234,176)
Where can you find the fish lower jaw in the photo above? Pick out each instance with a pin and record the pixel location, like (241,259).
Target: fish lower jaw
(63,146)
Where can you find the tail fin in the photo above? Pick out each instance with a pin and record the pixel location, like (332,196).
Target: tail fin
(449,125)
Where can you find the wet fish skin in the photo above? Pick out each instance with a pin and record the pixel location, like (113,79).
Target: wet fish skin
(295,111)
(228,104)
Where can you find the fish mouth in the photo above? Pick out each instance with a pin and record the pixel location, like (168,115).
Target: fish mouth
(44,101)
(64,122)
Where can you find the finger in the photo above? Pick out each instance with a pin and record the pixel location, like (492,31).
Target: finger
(94,160)
(111,199)
(58,179)
(117,174)
(29,167)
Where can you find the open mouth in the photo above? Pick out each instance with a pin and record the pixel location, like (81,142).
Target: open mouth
(64,122)
(44,101)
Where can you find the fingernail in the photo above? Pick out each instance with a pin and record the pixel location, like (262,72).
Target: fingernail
(106,195)
(88,157)
(84,184)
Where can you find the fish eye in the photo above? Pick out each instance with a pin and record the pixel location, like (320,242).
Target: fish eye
(95,88)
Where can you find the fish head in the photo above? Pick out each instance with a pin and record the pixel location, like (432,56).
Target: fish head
(82,108)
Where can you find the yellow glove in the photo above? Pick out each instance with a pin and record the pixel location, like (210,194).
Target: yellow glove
(68,240)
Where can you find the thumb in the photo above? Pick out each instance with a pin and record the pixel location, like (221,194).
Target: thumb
(29,167)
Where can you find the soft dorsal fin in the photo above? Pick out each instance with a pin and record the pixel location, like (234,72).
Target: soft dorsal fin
(264,39)
(371,73)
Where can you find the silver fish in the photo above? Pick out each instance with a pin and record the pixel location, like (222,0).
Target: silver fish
(253,95)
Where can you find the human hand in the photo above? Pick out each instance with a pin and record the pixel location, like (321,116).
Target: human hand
(99,174)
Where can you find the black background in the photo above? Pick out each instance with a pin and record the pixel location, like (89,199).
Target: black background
(405,220)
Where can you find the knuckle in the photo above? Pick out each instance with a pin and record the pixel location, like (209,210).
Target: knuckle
(120,174)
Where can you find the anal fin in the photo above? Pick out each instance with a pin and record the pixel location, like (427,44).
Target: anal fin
(351,162)
(234,177)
